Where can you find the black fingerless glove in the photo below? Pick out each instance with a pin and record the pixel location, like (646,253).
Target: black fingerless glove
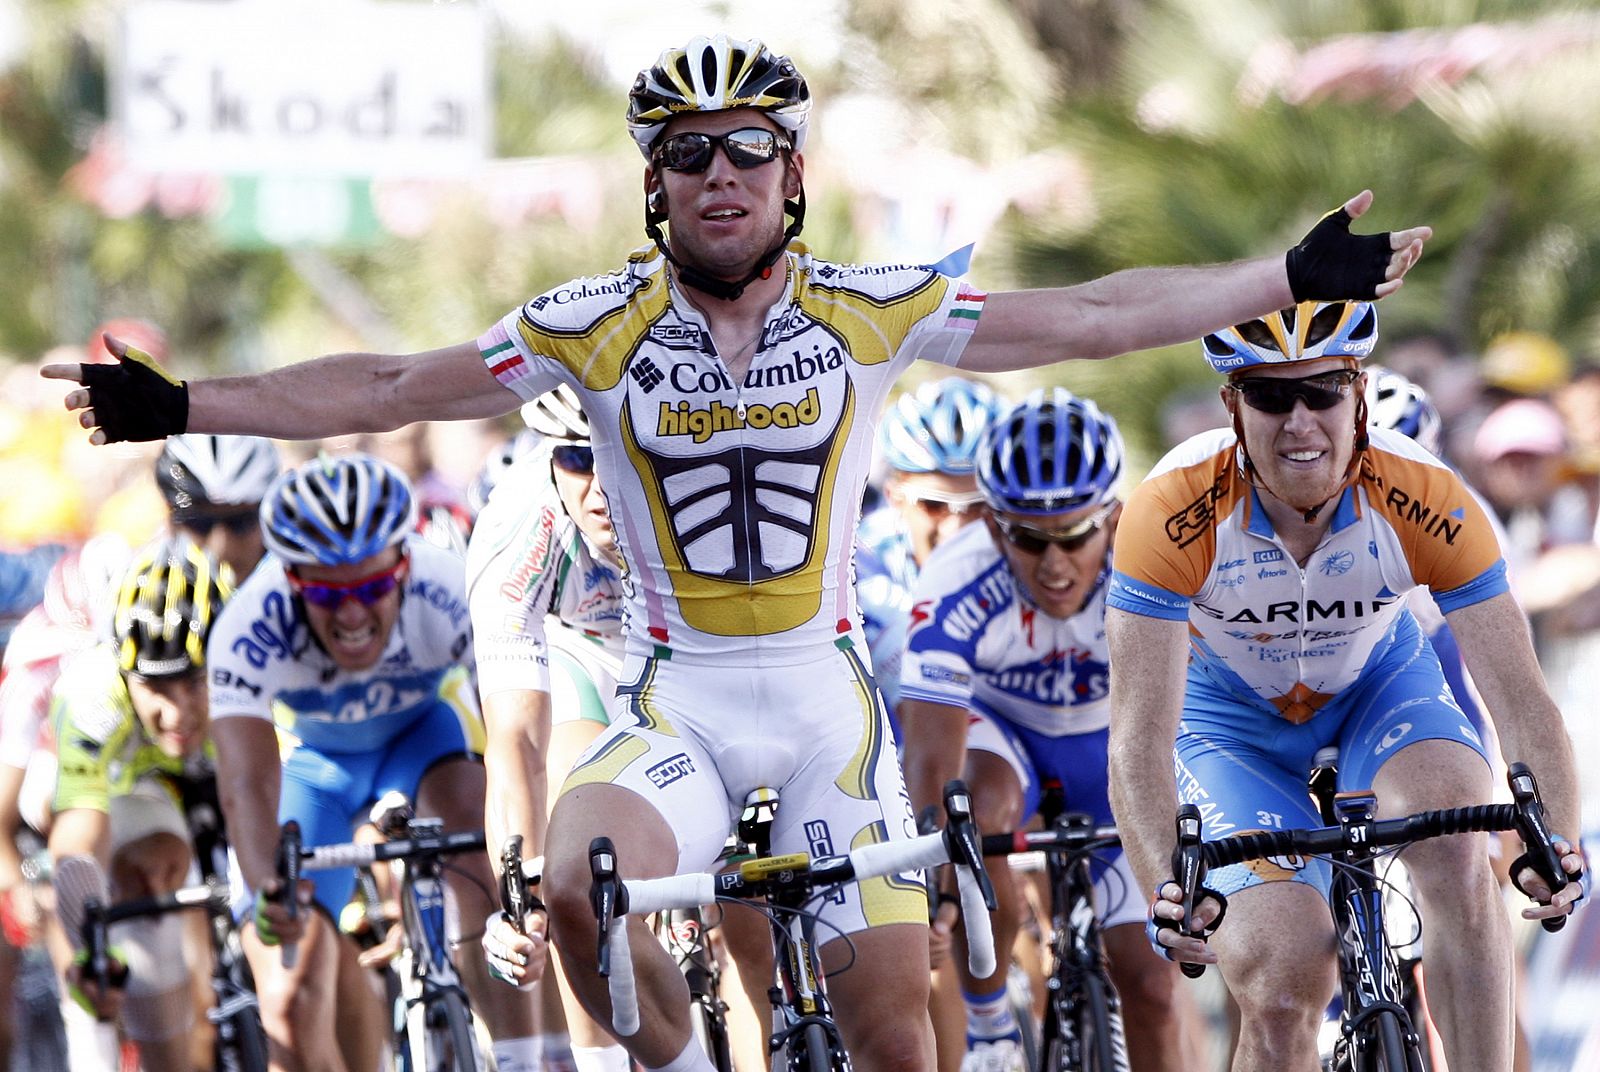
(1331,264)
(135,400)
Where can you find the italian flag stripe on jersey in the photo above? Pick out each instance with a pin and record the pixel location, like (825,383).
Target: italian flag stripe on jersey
(968,305)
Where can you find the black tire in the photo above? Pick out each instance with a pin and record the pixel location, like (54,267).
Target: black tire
(1095,1026)
(819,1055)
(712,1031)
(1388,1048)
(242,1042)
(448,1040)
(1019,995)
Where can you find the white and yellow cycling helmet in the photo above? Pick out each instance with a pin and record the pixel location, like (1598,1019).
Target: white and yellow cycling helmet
(715,74)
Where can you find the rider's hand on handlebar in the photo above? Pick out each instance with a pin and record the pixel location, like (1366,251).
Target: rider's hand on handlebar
(514,957)
(101,999)
(1164,923)
(274,924)
(1565,902)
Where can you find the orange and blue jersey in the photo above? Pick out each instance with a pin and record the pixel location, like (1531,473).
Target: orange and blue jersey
(1195,544)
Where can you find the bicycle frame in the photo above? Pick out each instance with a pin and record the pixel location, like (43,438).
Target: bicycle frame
(802,1018)
(1369,974)
(803,1021)
(1378,1031)
(1079,990)
(429,982)
(233,998)
(1077,955)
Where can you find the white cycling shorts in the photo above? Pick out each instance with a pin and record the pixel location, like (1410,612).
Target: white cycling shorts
(692,741)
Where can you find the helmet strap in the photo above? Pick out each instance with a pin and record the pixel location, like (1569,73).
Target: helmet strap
(691,276)
(1253,475)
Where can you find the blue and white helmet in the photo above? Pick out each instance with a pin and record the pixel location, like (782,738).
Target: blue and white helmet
(937,428)
(1050,453)
(1301,332)
(1396,403)
(333,511)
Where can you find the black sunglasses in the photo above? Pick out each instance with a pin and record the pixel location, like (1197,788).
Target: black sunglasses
(747,147)
(1323,391)
(1034,541)
(202,524)
(573,459)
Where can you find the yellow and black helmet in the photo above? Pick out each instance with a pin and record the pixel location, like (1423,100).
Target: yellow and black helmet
(715,74)
(168,599)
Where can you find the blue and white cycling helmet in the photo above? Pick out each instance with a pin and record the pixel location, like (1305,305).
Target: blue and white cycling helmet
(938,427)
(333,511)
(1400,405)
(1050,453)
(1303,332)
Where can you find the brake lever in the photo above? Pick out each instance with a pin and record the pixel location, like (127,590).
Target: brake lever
(1188,870)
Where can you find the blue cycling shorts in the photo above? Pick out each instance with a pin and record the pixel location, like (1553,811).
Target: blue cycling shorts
(329,794)
(1246,767)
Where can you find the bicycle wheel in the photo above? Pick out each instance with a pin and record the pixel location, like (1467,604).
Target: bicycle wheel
(819,1054)
(1099,1028)
(711,1030)
(440,1035)
(241,1042)
(1387,1046)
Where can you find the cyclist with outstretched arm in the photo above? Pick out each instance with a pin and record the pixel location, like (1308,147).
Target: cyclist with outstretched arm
(732,381)
(1257,614)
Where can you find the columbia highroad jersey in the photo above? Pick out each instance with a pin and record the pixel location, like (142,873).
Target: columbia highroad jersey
(735,503)
(264,662)
(976,640)
(100,742)
(1195,544)
(886,572)
(527,559)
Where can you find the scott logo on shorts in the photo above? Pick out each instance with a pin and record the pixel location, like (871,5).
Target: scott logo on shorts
(670,770)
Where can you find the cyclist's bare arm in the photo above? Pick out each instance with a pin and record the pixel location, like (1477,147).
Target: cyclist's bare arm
(81,832)
(334,395)
(935,737)
(1149,658)
(1498,647)
(1147,307)
(248,777)
(518,725)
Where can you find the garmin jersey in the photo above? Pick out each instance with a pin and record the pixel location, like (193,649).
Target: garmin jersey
(735,504)
(1195,544)
(528,559)
(976,640)
(101,745)
(264,662)
(886,573)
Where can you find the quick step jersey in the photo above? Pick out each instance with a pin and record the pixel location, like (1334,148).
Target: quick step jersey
(735,504)
(976,640)
(1194,543)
